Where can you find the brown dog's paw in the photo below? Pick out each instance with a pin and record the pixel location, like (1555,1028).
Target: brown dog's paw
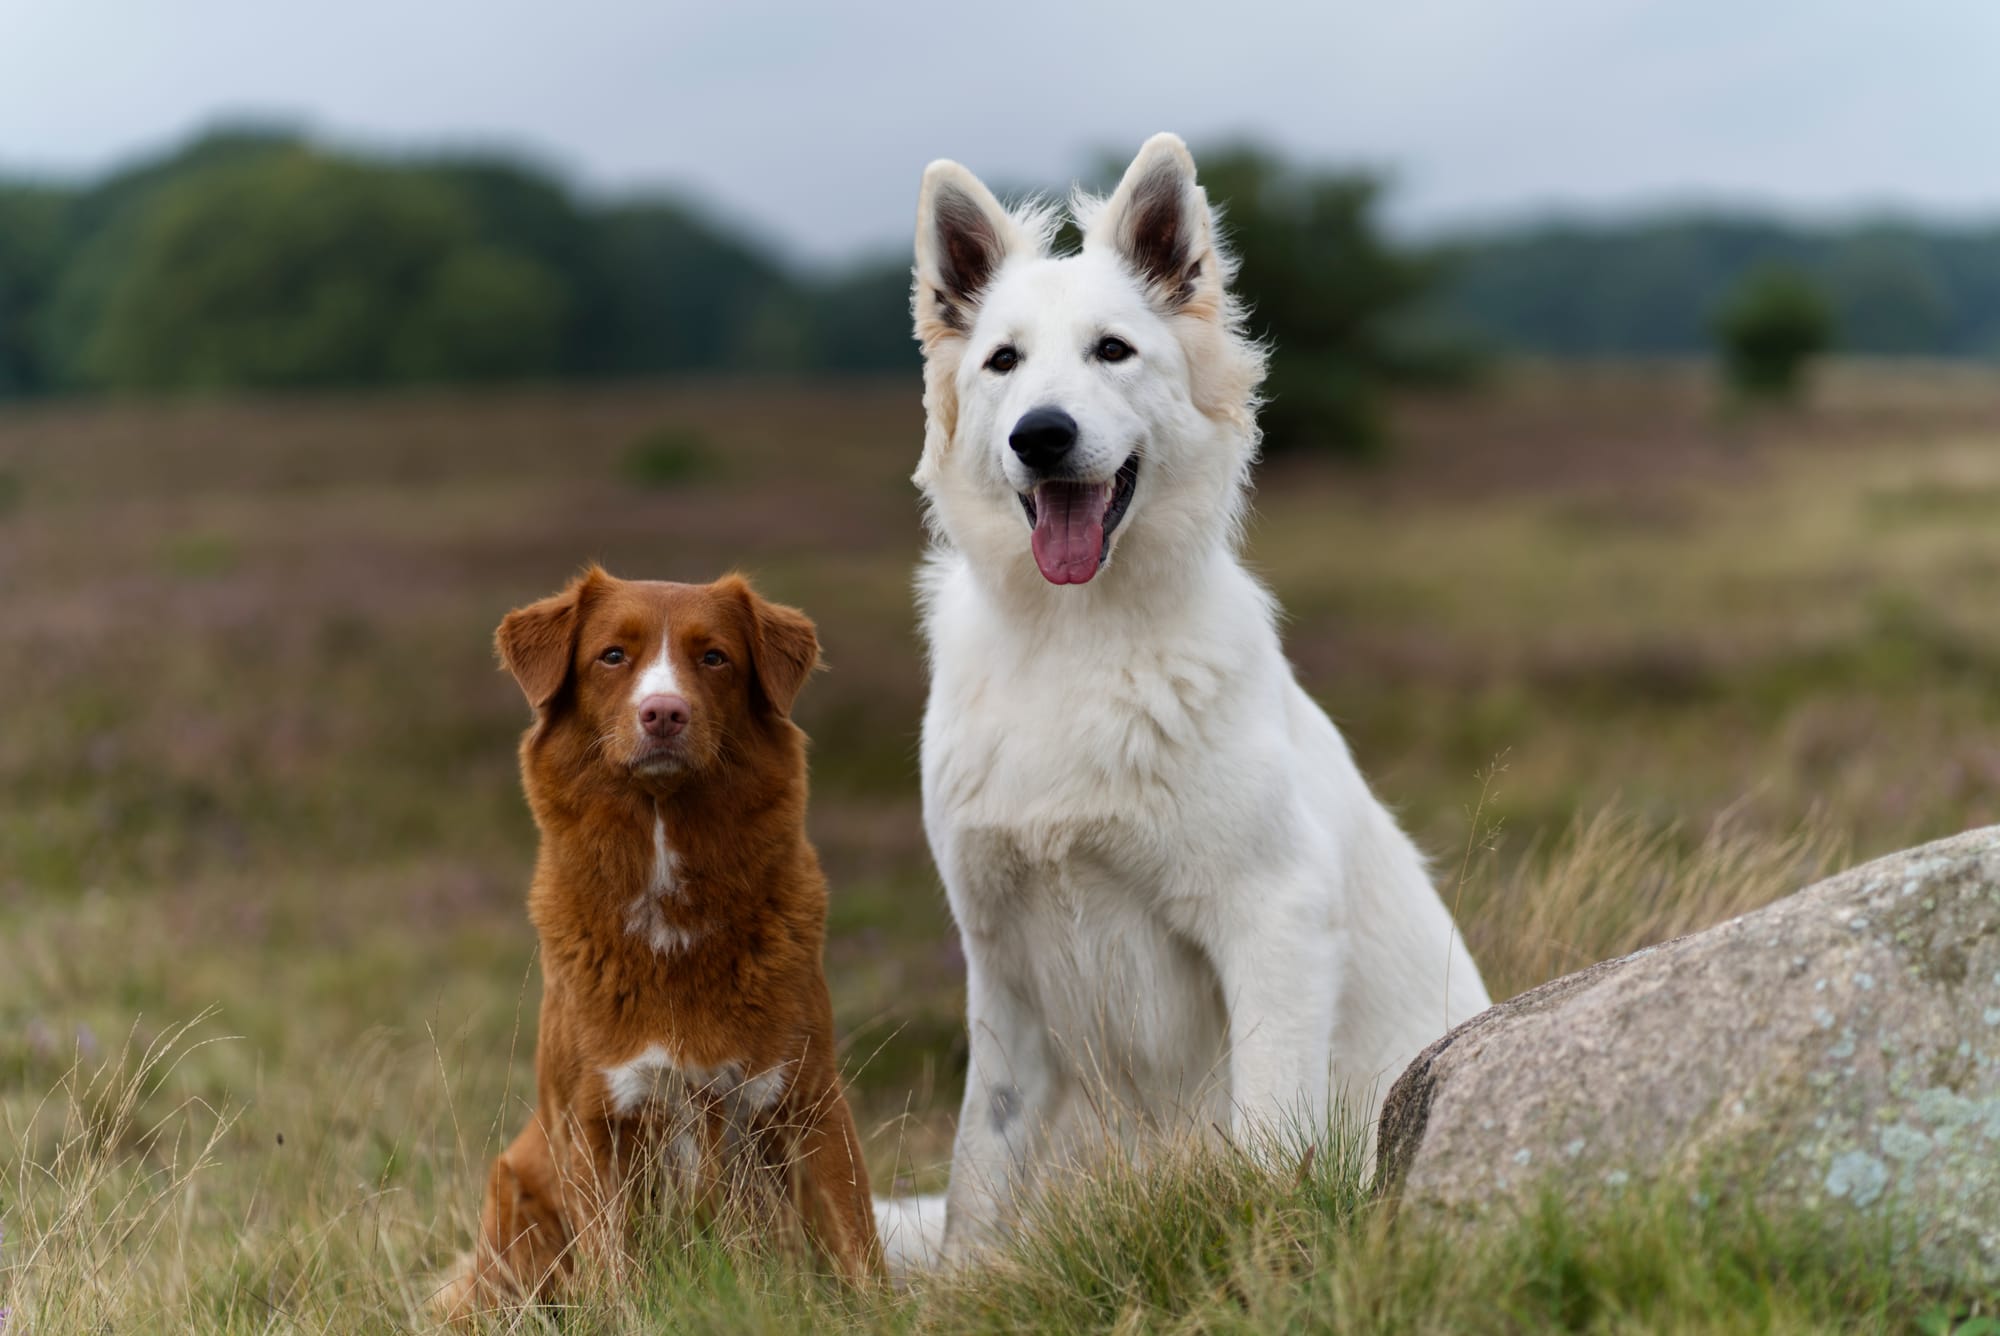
(456,1298)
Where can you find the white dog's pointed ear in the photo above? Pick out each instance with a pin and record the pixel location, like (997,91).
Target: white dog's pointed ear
(963,237)
(1159,222)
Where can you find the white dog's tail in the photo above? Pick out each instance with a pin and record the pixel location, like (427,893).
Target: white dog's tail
(912,1230)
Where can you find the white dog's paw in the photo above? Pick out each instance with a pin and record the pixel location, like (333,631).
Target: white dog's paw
(912,1230)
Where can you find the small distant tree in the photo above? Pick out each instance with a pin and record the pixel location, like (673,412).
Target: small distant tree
(1769,331)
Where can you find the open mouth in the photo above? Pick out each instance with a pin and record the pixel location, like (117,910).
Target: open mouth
(1073,523)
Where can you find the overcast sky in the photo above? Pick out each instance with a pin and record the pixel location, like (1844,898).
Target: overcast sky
(812,121)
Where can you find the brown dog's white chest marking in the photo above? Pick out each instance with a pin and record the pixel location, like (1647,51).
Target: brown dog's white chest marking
(656,1078)
(648,917)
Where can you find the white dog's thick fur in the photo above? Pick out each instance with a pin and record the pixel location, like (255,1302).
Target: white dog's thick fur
(1181,907)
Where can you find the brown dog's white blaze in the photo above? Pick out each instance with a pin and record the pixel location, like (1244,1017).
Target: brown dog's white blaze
(597,656)
(682,915)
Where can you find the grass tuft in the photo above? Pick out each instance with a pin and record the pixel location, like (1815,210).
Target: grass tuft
(1612,883)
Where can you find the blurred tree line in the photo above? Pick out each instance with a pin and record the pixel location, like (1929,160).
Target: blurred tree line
(1654,287)
(258,259)
(255,259)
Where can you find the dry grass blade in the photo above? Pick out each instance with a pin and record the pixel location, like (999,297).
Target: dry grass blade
(1612,884)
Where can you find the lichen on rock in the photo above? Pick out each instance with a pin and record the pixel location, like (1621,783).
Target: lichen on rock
(1836,1053)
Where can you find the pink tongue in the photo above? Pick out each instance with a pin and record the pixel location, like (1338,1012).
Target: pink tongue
(1069,529)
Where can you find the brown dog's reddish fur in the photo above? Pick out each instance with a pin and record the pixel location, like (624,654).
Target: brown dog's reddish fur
(681,914)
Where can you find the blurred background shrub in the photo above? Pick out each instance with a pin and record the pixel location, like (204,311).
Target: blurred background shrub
(1769,332)
(668,457)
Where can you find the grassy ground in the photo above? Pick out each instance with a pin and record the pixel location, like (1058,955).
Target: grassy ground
(1624,663)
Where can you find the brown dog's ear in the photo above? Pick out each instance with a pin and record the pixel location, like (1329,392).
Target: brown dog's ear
(784,647)
(538,642)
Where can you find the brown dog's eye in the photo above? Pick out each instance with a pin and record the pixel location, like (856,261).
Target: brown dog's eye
(715,658)
(1112,349)
(613,656)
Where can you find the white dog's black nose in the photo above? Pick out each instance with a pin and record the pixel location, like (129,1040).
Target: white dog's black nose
(1042,437)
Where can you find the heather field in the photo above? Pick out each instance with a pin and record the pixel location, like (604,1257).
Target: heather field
(1626,661)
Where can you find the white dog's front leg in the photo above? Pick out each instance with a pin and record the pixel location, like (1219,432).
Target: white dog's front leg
(1280,974)
(1012,1094)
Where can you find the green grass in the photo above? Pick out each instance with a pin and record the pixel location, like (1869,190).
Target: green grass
(1623,672)
(124,1235)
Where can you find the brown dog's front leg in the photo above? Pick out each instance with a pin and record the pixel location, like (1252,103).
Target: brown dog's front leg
(524,1238)
(830,1181)
(597,1195)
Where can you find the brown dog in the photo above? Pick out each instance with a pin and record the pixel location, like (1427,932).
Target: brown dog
(685,1026)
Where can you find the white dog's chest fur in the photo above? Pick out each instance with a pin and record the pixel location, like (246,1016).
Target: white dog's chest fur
(1118,815)
(1094,812)
(1074,770)
(1132,1001)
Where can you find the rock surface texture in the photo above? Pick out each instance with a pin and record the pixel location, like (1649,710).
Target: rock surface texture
(1838,1051)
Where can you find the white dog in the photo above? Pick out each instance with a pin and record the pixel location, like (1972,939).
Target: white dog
(1181,907)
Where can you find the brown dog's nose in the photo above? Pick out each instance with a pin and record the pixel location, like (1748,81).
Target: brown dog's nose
(663,716)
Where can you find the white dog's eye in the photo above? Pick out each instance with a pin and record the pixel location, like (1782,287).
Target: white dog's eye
(1004,359)
(1111,348)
